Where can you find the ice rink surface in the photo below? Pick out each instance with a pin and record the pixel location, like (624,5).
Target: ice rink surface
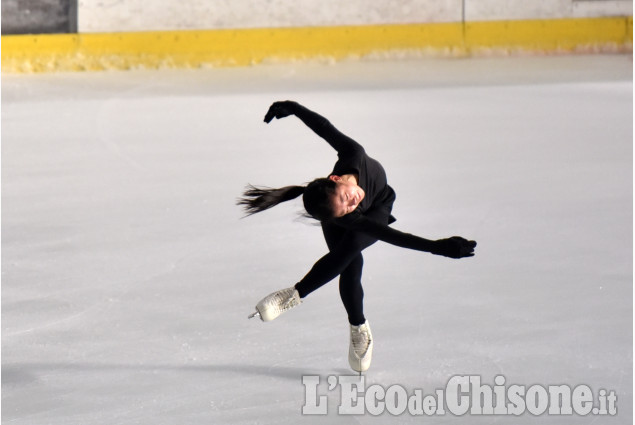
(128,273)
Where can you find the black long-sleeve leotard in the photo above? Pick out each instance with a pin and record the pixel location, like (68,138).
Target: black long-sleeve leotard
(372,216)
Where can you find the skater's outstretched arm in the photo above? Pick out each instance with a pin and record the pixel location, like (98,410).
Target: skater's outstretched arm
(453,247)
(364,232)
(316,122)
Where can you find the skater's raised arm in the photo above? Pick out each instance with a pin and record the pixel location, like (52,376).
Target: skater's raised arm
(316,122)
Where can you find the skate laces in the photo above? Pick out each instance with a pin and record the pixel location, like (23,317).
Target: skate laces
(290,302)
(286,300)
(360,338)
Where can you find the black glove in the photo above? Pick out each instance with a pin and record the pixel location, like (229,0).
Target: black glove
(280,110)
(454,247)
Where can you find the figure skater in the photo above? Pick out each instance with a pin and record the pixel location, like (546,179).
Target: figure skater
(353,205)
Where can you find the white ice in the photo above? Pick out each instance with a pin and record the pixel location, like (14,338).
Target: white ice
(128,273)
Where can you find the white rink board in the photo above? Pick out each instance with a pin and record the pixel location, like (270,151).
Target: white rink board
(501,10)
(137,15)
(161,15)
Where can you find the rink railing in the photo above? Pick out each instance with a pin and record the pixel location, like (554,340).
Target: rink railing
(221,48)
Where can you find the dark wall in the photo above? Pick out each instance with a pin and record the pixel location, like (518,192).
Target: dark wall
(39,16)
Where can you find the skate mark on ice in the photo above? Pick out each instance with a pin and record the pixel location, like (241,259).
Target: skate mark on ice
(51,324)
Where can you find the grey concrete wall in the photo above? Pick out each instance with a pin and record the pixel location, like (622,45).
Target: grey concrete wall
(39,16)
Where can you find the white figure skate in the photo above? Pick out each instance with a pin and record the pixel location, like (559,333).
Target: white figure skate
(273,305)
(360,351)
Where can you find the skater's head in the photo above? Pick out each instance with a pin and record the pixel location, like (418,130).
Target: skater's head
(323,198)
(317,199)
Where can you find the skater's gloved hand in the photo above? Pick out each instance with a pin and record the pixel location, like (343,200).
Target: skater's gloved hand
(454,247)
(280,110)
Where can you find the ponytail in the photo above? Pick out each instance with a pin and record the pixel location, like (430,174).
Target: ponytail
(315,198)
(257,199)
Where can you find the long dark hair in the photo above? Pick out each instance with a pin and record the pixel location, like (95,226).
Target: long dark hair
(315,196)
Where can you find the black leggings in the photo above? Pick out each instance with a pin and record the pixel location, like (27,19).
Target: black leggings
(346,246)
(351,291)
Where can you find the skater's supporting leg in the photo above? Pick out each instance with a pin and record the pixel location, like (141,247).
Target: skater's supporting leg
(352,292)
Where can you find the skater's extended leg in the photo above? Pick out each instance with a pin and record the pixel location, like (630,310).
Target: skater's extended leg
(344,248)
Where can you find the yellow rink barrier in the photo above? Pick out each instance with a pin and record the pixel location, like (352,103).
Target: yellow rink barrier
(241,47)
